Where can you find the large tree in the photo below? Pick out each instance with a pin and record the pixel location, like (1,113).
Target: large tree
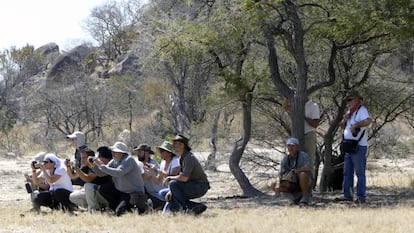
(352,35)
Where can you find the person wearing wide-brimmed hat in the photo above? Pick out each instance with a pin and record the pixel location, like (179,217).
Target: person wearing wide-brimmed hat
(170,166)
(128,187)
(144,152)
(355,123)
(191,183)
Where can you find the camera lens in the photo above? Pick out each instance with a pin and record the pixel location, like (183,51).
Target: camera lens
(90,160)
(35,165)
(28,187)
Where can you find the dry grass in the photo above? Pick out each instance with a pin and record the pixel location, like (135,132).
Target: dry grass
(261,219)
(389,209)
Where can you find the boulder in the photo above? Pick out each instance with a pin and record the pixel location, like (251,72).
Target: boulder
(127,64)
(69,62)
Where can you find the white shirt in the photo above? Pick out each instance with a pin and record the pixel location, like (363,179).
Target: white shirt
(64,182)
(175,162)
(312,112)
(358,116)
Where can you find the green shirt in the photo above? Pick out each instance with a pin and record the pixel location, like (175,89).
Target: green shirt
(191,168)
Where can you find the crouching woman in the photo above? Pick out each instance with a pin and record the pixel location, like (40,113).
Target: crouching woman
(295,174)
(53,177)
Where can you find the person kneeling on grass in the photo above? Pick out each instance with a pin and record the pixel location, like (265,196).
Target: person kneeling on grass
(127,189)
(295,174)
(53,177)
(190,183)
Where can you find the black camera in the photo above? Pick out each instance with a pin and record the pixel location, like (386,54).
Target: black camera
(91,159)
(28,188)
(356,132)
(35,165)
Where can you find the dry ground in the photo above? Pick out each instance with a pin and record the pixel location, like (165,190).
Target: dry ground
(389,208)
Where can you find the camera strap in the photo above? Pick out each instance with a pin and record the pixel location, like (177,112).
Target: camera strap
(295,165)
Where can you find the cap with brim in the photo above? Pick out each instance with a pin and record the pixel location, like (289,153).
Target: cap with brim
(119,147)
(167,146)
(292,141)
(183,139)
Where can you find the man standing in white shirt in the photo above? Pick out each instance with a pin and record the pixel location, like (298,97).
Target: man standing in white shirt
(312,117)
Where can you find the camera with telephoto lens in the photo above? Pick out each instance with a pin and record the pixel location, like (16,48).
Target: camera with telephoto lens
(91,159)
(35,165)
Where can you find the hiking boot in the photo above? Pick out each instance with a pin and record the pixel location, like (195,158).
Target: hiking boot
(34,210)
(344,199)
(198,209)
(304,200)
(359,201)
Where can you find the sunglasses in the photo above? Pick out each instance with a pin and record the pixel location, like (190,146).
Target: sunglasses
(349,100)
(47,161)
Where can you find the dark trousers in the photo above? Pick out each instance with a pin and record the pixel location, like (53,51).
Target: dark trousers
(120,202)
(157,204)
(58,199)
(182,192)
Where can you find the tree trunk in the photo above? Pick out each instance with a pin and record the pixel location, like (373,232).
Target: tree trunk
(296,95)
(239,147)
(328,140)
(327,165)
(211,159)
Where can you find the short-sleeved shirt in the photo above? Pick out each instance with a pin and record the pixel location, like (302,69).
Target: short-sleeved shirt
(288,163)
(150,186)
(191,168)
(64,182)
(175,162)
(358,116)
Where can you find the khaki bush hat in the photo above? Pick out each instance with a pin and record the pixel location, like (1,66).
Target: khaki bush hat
(167,146)
(119,147)
(144,147)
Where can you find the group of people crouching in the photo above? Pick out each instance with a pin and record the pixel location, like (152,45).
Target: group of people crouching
(117,181)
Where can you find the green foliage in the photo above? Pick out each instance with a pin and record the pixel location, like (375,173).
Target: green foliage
(126,98)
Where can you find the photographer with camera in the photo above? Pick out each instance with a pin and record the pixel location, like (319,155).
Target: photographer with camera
(54,178)
(96,202)
(127,190)
(295,174)
(355,147)
(30,186)
(78,142)
(87,175)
